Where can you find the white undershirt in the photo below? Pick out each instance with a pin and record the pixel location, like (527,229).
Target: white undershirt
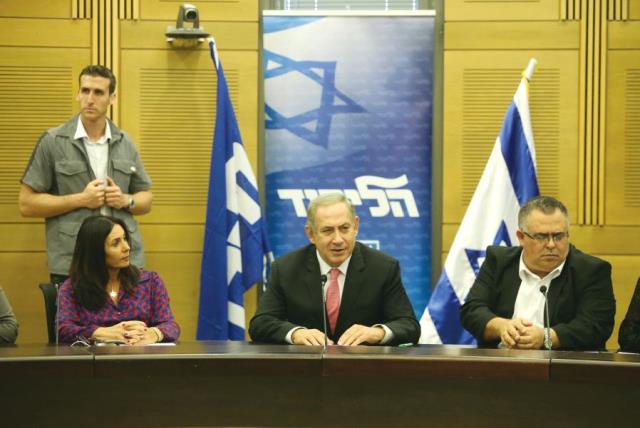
(530,300)
(98,153)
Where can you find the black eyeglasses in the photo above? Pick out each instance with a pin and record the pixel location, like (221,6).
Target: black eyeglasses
(543,238)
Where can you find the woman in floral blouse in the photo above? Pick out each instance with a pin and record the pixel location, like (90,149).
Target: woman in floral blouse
(108,299)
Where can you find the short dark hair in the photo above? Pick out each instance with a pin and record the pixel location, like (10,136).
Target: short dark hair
(546,204)
(88,273)
(101,71)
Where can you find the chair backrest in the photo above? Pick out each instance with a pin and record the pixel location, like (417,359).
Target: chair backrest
(50,294)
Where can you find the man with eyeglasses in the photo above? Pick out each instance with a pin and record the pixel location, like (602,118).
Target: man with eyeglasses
(506,304)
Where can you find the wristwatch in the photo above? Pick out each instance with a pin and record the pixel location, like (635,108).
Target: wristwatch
(131,204)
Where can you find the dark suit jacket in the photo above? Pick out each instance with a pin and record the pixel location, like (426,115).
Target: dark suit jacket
(629,335)
(581,302)
(373,294)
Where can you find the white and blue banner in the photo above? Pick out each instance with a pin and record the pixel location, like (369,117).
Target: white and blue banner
(508,181)
(235,239)
(349,108)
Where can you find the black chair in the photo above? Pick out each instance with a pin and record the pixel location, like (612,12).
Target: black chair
(50,294)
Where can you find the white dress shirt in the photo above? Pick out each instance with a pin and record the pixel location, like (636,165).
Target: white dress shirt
(530,300)
(98,153)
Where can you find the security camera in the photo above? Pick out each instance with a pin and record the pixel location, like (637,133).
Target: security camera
(188,13)
(181,36)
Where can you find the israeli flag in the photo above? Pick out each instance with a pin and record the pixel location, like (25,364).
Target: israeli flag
(508,181)
(235,239)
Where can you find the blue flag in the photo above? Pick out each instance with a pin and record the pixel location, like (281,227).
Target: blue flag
(235,239)
(508,181)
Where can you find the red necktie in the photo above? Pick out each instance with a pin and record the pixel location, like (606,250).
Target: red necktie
(333,298)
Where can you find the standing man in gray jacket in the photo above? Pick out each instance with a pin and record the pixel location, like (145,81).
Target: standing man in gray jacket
(84,167)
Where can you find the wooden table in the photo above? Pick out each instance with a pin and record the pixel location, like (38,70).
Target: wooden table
(243,384)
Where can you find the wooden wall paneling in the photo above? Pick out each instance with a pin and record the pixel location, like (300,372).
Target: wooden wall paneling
(624,35)
(150,35)
(511,10)
(37,93)
(20,275)
(168,105)
(219,10)
(35,9)
(479,86)
(64,33)
(623,135)
(542,35)
(632,9)
(181,275)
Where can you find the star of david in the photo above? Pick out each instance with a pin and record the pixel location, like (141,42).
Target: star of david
(332,101)
(476,256)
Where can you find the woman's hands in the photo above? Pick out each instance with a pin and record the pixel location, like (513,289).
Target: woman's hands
(131,332)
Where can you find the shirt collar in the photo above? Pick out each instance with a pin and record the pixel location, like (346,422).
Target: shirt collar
(81,133)
(325,267)
(523,270)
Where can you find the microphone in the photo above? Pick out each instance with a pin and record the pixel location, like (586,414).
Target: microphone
(323,281)
(547,328)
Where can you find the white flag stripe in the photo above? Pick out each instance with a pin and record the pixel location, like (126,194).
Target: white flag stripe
(236,314)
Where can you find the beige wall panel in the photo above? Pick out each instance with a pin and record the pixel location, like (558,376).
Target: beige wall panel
(625,275)
(168,105)
(222,10)
(624,34)
(622,183)
(512,35)
(634,9)
(37,87)
(478,87)
(55,33)
(36,8)
(19,276)
(168,238)
(514,10)
(27,237)
(181,275)
(151,35)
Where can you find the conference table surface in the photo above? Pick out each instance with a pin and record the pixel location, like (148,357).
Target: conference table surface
(247,384)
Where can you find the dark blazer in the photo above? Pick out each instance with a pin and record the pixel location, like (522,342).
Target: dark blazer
(373,294)
(581,302)
(629,335)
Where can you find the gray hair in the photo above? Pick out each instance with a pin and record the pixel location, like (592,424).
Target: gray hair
(323,201)
(546,204)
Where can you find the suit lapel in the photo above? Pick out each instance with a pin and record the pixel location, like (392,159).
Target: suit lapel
(352,286)
(312,283)
(513,281)
(558,287)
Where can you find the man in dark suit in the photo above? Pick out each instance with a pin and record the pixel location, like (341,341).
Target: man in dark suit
(366,301)
(506,305)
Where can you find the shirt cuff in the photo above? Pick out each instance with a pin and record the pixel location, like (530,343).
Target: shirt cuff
(287,338)
(388,334)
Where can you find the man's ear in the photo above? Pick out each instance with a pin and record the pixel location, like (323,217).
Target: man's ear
(520,236)
(309,232)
